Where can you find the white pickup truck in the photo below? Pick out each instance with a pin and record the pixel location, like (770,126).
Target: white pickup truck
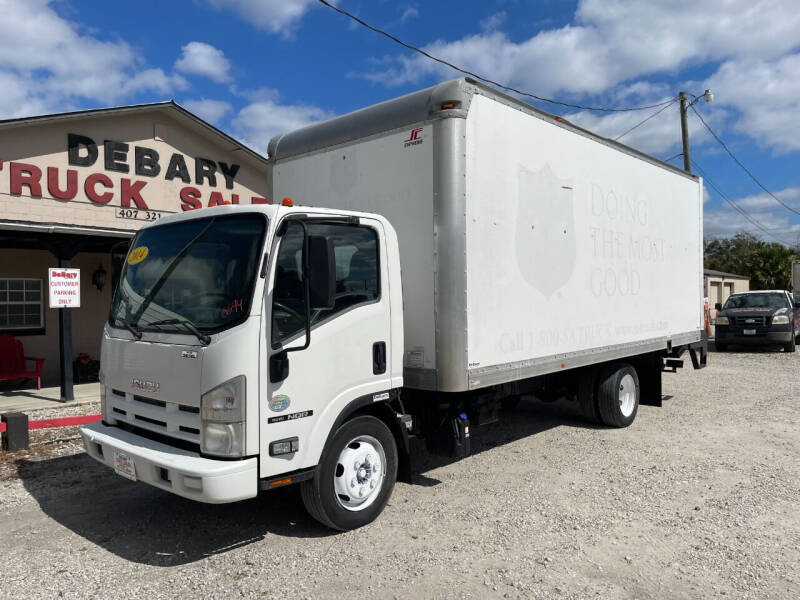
(423,261)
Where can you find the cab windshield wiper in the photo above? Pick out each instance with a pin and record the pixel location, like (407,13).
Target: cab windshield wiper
(203,337)
(135,331)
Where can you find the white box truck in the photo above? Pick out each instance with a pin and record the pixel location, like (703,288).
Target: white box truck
(423,261)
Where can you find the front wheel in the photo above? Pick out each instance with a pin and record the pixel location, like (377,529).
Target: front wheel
(618,395)
(791,346)
(355,477)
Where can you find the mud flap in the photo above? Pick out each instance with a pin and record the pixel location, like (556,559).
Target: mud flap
(649,370)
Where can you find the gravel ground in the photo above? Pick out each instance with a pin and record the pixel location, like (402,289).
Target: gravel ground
(695,499)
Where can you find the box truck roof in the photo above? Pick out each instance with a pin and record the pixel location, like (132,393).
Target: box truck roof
(450,98)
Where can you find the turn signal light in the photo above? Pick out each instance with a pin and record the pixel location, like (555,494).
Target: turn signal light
(278,482)
(287,202)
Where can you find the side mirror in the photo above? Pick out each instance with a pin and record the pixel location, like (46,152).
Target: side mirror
(718,306)
(278,367)
(322,272)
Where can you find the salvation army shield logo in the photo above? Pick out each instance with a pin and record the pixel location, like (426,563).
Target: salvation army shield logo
(545,241)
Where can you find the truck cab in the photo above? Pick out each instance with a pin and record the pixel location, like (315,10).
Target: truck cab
(211,384)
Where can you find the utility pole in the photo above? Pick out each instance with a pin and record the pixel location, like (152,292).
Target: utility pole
(687,159)
(685,106)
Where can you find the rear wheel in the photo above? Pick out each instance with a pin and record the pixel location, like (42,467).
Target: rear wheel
(355,477)
(618,395)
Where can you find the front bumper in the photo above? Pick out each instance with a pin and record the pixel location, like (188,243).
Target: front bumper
(174,470)
(765,338)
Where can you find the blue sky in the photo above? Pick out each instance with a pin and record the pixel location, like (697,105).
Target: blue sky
(259,67)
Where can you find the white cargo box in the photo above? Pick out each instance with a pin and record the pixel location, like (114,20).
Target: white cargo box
(528,245)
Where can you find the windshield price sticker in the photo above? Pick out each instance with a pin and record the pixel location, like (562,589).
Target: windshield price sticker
(137,255)
(138,215)
(65,288)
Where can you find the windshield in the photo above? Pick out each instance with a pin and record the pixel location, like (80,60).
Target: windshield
(191,274)
(757,301)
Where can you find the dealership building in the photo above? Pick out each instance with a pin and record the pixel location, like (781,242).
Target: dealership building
(74,188)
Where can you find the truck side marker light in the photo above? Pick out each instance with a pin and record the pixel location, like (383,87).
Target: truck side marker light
(448,105)
(287,202)
(279,482)
(563,365)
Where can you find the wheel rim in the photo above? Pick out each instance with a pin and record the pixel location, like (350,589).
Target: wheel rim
(627,395)
(360,472)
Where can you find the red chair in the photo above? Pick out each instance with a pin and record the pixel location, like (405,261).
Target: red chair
(13,361)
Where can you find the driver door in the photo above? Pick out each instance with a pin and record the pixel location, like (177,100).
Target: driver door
(347,357)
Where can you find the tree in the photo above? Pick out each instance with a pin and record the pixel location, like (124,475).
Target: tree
(768,265)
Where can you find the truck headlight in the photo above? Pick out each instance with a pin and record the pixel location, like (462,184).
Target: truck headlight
(780,320)
(723,321)
(222,411)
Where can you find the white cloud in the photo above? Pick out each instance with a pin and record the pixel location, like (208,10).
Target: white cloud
(493,21)
(274,16)
(790,196)
(199,58)
(725,221)
(265,117)
(47,65)
(613,41)
(410,12)
(210,110)
(767,94)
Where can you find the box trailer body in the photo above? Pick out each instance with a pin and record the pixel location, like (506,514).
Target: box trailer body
(448,251)
(527,245)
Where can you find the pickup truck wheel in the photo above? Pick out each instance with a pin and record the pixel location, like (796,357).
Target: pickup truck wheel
(355,477)
(618,395)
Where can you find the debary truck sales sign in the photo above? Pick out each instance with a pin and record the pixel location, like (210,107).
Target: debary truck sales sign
(65,288)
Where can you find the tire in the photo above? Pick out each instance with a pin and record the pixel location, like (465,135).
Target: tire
(361,451)
(720,347)
(791,346)
(587,395)
(618,395)
(510,403)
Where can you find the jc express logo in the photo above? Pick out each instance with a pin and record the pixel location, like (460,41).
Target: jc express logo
(415,137)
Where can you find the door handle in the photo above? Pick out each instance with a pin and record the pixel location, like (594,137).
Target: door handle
(378,358)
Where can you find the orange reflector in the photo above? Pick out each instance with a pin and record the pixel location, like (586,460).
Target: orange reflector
(563,365)
(278,482)
(560,120)
(448,105)
(287,202)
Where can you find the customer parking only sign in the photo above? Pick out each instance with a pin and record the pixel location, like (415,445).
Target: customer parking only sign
(65,288)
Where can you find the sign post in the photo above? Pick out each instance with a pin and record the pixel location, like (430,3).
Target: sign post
(64,286)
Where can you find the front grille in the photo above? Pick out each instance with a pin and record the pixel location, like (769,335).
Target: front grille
(165,418)
(750,322)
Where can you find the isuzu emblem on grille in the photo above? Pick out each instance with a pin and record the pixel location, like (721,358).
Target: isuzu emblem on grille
(144,385)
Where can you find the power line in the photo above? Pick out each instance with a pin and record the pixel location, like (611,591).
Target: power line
(640,123)
(738,162)
(481,78)
(738,208)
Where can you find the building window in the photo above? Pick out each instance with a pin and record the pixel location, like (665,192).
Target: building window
(21,306)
